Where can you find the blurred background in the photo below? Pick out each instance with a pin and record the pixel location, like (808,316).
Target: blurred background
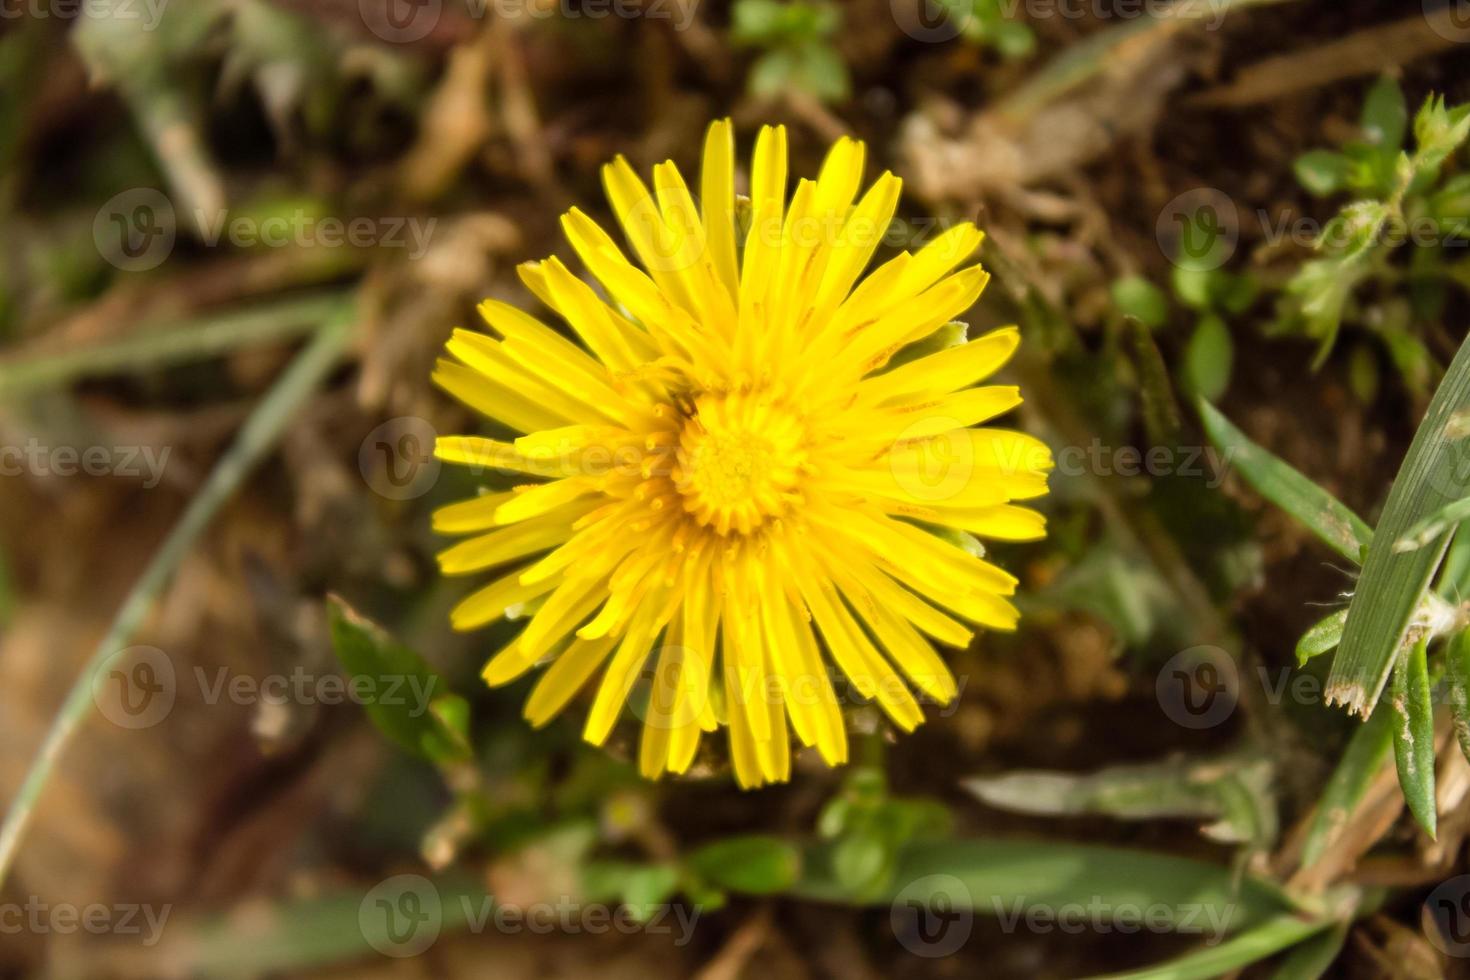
(236,234)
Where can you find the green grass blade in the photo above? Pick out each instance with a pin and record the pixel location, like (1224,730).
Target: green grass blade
(1413,734)
(1457,663)
(257,437)
(1324,636)
(1322,513)
(1313,958)
(1434,473)
(176,342)
(1428,530)
(1266,940)
(1365,755)
(1006,878)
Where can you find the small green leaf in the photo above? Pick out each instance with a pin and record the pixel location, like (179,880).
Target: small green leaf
(1385,118)
(1322,172)
(1413,734)
(1319,511)
(406,700)
(451,741)
(1194,286)
(1366,752)
(1135,296)
(861,862)
(1451,203)
(1438,131)
(813,67)
(648,887)
(1325,636)
(641,888)
(1363,373)
(753,864)
(1013,39)
(833,819)
(1208,358)
(1412,358)
(1457,664)
(1235,294)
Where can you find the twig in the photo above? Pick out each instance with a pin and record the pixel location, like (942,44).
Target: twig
(730,962)
(258,435)
(1363,52)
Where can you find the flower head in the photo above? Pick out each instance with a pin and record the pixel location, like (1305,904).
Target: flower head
(750,468)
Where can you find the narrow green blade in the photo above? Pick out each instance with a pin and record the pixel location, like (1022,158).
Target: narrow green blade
(1430,528)
(1266,940)
(1365,755)
(1435,472)
(1413,734)
(1457,662)
(1313,958)
(1322,513)
(1006,878)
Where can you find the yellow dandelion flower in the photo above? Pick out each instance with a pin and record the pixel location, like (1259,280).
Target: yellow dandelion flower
(734,485)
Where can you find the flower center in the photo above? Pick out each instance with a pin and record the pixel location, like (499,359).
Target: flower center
(738,461)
